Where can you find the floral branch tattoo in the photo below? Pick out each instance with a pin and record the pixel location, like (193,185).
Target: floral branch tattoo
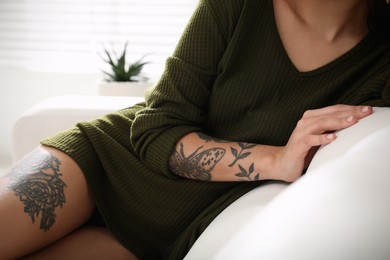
(246,174)
(190,166)
(240,154)
(197,165)
(41,191)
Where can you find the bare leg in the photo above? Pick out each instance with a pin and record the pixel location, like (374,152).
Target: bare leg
(43,198)
(86,243)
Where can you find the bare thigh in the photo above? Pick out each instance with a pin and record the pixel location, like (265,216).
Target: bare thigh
(85,243)
(43,198)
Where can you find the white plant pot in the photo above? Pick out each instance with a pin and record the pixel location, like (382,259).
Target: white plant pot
(132,89)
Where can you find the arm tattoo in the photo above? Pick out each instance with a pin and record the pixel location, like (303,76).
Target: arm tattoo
(238,155)
(37,183)
(246,174)
(197,165)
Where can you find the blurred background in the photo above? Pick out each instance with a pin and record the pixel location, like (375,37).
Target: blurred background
(50,47)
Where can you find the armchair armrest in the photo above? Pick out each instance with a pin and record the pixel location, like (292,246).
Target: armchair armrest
(59,113)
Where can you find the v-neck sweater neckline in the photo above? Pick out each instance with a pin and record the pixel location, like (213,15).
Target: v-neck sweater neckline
(323,68)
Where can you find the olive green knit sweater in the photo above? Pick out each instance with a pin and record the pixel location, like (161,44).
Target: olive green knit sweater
(229,77)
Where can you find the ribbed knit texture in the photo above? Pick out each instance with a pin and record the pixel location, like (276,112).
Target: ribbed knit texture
(230,78)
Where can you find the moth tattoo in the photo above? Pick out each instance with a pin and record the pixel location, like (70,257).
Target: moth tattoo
(197,165)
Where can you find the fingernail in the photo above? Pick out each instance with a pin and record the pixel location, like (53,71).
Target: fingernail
(350,119)
(330,136)
(365,109)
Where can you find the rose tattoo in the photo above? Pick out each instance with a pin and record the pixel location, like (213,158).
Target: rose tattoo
(41,191)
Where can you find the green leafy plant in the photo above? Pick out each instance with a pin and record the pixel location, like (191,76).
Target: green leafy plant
(121,70)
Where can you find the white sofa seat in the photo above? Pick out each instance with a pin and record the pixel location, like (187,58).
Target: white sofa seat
(60,113)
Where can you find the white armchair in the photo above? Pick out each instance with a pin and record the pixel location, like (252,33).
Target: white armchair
(338,210)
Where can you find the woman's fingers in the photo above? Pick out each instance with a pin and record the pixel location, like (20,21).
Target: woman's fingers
(336,118)
(310,141)
(358,111)
(320,125)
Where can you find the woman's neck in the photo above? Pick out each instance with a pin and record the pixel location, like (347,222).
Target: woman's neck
(315,32)
(331,18)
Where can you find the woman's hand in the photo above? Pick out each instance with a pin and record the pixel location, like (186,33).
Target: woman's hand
(314,129)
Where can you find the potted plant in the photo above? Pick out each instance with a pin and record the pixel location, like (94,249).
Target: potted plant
(124,79)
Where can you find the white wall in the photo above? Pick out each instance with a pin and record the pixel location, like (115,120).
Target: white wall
(32,37)
(21,89)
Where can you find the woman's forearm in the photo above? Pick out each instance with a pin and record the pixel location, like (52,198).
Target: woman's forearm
(200,157)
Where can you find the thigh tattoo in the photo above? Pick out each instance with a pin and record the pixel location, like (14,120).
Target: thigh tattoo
(36,181)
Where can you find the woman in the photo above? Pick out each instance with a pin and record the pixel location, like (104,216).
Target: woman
(249,93)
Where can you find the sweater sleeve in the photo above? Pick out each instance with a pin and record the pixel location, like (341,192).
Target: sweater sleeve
(376,91)
(178,104)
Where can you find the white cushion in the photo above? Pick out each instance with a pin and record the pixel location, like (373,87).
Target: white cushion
(230,221)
